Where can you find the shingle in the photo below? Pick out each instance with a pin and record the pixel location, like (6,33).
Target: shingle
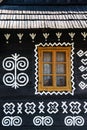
(60,18)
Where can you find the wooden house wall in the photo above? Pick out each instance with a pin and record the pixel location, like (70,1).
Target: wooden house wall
(75,106)
(43,2)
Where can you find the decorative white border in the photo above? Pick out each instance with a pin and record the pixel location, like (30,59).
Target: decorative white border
(36,68)
(83,68)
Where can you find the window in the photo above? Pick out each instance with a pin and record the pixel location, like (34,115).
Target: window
(54,69)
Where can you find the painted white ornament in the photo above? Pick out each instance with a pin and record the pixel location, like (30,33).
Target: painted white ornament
(58,34)
(46,35)
(84,34)
(20,35)
(9,108)
(30,108)
(74,121)
(12,121)
(32,35)
(7,36)
(71,35)
(15,63)
(43,121)
(75,107)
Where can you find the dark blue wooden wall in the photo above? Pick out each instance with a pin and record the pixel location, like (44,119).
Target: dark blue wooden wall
(19,2)
(75,106)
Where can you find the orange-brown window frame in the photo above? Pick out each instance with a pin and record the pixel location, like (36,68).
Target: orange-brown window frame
(67,50)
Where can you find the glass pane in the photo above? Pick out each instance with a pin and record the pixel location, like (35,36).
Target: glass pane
(60,56)
(47,69)
(61,81)
(60,69)
(47,57)
(47,81)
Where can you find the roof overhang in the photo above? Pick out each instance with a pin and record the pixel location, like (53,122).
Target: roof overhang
(56,19)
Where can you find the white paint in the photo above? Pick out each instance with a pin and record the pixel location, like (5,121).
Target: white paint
(52,107)
(64,107)
(82,85)
(15,63)
(85,107)
(12,121)
(43,121)
(19,108)
(46,35)
(9,108)
(58,34)
(81,53)
(83,68)
(71,35)
(30,108)
(74,121)
(84,34)
(84,61)
(41,107)
(75,107)
(32,35)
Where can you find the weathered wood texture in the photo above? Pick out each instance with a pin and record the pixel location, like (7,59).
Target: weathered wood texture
(43,17)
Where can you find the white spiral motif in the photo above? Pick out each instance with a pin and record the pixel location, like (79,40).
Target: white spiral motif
(68,121)
(22,79)
(48,121)
(22,63)
(40,120)
(8,63)
(6,121)
(8,79)
(12,121)
(37,121)
(15,64)
(17,121)
(72,121)
(79,121)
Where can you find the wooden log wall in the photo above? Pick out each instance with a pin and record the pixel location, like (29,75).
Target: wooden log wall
(20,108)
(43,2)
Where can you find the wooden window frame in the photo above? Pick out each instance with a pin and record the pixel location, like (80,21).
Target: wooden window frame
(36,55)
(53,50)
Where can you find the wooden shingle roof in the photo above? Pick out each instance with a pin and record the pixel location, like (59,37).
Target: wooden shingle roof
(58,17)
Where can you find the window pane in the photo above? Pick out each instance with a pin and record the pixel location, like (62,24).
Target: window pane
(47,81)
(60,69)
(47,69)
(60,56)
(47,57)
(61,81)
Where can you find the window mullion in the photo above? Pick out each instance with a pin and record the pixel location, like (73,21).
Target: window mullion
(66,67)
(54,68)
